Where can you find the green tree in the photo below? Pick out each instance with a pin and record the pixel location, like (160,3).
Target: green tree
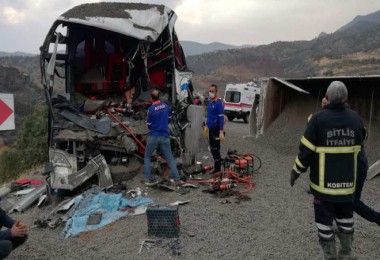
(9,165)
(32,139)
(31,148)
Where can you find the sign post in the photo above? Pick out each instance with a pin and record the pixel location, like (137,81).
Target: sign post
(7,115)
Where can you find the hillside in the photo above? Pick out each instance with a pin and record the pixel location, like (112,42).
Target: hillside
(362,21)
(16,54)
(196,48)
(26,96)
(352,51)
(29,65)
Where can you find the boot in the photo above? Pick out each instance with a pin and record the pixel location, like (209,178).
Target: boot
(329,249)
(345,246)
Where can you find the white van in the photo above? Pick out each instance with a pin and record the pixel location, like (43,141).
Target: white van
(239,99)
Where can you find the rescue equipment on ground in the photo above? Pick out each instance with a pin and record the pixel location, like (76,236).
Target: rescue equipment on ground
(238,171)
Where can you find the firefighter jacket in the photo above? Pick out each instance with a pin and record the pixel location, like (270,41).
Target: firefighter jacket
(330,147)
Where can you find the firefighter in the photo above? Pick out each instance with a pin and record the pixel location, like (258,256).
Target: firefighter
(360,207)
(214,125)
(330,147)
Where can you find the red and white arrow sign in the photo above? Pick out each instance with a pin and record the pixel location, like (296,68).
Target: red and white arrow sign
(7,118)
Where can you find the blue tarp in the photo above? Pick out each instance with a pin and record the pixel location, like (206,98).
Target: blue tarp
(109,205)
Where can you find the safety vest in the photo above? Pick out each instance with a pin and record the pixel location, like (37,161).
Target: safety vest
(330,147)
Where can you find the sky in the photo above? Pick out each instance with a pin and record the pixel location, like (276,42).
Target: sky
(25,23)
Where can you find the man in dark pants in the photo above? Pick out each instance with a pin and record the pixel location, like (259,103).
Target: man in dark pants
(14,236)
(215,124)
(359,206)
(330,147)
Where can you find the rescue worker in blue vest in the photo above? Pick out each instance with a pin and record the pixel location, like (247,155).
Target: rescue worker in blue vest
(330,147)
(158,119)
(14,236)
(214,125)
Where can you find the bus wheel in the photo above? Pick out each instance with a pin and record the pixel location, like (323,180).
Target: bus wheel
(230,118)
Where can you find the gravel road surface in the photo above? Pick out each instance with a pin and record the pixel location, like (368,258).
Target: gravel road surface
(277,223)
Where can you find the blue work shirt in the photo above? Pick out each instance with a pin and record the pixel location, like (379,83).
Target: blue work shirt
(215,114)
(158,119)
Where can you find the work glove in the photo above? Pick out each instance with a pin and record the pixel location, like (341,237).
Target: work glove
(205,131)
(221,136)
(293,177)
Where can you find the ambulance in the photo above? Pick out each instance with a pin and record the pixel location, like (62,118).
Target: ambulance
(239,99)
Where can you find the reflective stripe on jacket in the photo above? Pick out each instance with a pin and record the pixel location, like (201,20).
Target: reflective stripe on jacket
(330,147)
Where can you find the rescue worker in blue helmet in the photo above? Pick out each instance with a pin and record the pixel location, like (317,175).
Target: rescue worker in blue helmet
(215,125)
(330,146)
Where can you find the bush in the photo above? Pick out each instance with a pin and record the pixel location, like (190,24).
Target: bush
(9,165)
(31,148)
(32,139)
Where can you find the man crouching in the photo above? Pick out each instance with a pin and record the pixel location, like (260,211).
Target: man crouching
(12,237)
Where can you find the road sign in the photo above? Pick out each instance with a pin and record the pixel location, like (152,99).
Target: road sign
(7,115)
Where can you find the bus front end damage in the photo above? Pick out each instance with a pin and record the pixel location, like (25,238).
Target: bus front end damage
(99,63)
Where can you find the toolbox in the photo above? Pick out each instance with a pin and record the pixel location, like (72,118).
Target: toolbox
(163,221)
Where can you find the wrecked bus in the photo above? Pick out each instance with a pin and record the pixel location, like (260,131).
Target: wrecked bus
(109,57)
